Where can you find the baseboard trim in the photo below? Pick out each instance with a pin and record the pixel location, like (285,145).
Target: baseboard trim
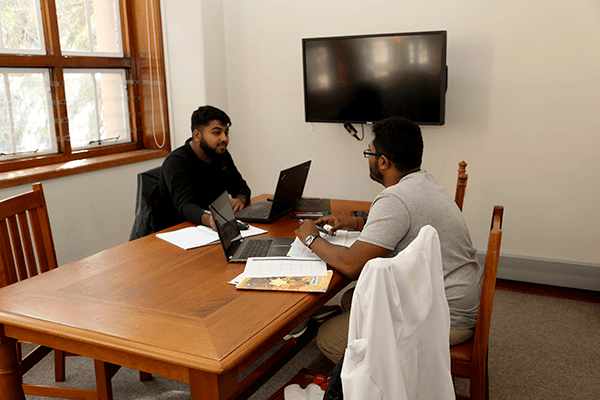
(547,272)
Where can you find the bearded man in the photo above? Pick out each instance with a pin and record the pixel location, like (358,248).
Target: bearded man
(195,174)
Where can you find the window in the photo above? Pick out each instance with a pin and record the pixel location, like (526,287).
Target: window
(80,79)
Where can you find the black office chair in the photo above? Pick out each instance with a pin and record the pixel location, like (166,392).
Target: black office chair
(145,203)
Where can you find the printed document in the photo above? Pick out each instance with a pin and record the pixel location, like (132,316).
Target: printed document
(196,236)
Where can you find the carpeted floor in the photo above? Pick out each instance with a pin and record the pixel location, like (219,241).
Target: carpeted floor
(541,347)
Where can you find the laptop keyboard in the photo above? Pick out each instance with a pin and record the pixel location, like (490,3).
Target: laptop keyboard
(262,212)
(256,248)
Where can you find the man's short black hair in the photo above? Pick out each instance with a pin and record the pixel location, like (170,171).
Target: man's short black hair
(400,140)
(203,115)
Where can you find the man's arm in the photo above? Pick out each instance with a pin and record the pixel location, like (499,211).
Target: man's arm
(347,260)
(178,182)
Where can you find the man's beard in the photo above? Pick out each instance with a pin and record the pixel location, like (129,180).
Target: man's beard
(375,174)
(211,152)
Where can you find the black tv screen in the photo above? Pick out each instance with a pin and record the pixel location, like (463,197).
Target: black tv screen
(366,78)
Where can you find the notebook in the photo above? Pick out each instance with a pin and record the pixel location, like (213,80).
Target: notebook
(312,208)
(236,248)
(289,188)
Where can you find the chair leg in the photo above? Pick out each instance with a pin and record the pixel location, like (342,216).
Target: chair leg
(144,376)
(478,383)
(59,365)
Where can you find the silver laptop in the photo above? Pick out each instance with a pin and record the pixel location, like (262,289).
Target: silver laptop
(236,248)
(289,188)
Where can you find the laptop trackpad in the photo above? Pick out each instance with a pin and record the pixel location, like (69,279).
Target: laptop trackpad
(280,247)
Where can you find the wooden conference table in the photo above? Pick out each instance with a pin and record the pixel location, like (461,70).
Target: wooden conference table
(151,306)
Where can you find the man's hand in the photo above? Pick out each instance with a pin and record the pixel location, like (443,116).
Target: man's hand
(308,227)
(208,220)
(236,204)
(212,223)
(337,222)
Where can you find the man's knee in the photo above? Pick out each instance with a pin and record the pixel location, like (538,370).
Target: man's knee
(332,337)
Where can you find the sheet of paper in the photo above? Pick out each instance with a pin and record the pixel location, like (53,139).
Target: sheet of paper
(341,238)
(267,267)
(196,236)
(299,250)
(189,238)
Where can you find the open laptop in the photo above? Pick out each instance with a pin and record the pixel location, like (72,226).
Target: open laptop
(289,188)
(238,249)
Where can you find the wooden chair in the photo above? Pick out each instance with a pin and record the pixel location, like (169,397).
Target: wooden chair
(470,359)
(461,184)
(27,249)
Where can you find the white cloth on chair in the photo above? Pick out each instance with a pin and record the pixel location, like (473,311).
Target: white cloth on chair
(398,338)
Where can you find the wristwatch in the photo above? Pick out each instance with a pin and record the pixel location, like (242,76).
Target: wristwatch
(309,239)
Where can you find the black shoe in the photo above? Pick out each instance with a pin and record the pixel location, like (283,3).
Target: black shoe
(299,330)
(325,312)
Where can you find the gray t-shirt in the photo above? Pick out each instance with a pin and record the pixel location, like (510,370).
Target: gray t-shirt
(400,211)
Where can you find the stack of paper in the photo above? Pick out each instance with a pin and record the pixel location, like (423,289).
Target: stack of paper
(284,273)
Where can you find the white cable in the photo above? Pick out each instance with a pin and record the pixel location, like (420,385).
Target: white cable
(160,97)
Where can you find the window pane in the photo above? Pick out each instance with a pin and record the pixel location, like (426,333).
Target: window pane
(89,26)
(97,107)
(26,121)
(21,27)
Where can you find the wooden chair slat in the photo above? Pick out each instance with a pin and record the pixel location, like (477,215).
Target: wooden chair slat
(7,261)
(28,244)
(17,247)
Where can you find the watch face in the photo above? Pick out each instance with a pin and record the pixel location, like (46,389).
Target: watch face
(309,240)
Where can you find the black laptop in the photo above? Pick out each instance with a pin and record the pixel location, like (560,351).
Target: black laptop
(238,249)
(289,188)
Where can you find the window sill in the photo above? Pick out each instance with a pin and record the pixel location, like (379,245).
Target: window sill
(37,174)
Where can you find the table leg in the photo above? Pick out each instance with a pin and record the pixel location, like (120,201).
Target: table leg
(11,387)
(204,385)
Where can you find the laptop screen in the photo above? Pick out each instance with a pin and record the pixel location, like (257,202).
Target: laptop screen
(290,187)
(222,213)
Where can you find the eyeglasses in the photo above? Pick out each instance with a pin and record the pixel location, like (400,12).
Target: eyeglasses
(368,153)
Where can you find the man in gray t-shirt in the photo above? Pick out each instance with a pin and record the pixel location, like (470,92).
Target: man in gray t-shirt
(412,198)
(400,211)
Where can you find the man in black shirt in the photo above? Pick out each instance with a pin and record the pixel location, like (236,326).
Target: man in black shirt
(195,174)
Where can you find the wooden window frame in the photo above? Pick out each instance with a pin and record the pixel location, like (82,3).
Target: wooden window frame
(143,62)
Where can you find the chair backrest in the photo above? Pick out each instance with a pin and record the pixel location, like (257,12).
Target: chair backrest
(461,184)
(25,237)
(145,203)
(484,315)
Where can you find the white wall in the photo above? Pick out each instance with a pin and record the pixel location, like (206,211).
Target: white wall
(89,212)
(523,109)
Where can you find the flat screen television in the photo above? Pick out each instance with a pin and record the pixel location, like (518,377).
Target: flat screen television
(366,78)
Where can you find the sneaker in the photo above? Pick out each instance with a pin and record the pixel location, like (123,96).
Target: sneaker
(299,330)
(325,312)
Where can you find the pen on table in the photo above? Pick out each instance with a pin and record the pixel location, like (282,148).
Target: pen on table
(320,229)
(311,214)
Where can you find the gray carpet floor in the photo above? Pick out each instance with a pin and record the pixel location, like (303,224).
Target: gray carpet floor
(540,348)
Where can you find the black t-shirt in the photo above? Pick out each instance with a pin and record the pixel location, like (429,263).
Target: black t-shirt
(188,185)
